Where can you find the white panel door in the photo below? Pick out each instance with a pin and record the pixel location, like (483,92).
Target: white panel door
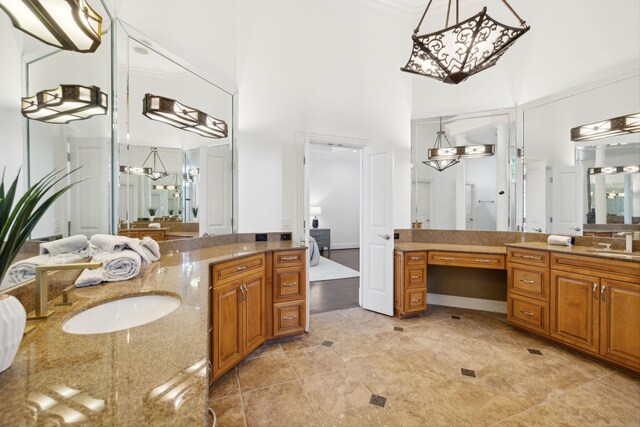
(214,194)
(536,197)
(89,200)
(377,226)
(567,200)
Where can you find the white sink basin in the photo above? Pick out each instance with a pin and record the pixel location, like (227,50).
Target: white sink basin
(121,314)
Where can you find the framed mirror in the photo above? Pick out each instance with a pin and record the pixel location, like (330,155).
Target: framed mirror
(190,189)
(477,192)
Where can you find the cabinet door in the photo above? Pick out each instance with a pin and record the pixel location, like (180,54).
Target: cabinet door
(254,313)
(620,321)
(227,327)
(575,306)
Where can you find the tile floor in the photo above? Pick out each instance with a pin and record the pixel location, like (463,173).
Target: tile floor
(358,368)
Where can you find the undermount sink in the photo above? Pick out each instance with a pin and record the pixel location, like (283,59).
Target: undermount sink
(121,314)
(615,254)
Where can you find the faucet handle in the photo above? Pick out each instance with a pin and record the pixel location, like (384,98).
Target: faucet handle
(606,245)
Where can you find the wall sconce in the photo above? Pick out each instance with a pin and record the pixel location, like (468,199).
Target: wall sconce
(616,126)
(462,152)
(172,112)
(133,170)
(65,104)
(609,170)
(65,24)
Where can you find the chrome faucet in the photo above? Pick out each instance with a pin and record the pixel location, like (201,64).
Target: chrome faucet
(42,285)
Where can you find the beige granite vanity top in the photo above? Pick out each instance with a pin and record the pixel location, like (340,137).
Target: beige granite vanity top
(405,247)
(154,374)
(580,250)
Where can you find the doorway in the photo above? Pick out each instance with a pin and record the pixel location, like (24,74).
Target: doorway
(334,188)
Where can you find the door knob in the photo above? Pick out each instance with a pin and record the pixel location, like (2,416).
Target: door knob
(539,230)
(574,228)
(385,237)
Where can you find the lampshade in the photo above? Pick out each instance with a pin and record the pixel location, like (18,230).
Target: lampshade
(315,210)
(172,112)
(65,24)
(605,128)
(453,54)
(65,104)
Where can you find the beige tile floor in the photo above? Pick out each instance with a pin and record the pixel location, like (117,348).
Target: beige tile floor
(328,377)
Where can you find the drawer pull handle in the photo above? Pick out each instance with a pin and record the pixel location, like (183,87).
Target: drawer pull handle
(416,300)
(289,317)
(531,282)
(415,258)
(415,277)
(289,284)
(446,258)
(539,258)
(482,260)
(241,267)
(528,313)
(290,258)
(602,294)
(595,291)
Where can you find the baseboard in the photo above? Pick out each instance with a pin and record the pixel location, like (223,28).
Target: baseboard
(345,246)
(464,302)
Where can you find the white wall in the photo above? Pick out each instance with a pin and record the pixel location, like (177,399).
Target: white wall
(327,67)
(571,42)
(334,178)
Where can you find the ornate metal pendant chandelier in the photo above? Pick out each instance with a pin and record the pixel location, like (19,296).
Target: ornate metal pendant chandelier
(442,163)
(151,172)
(453,54)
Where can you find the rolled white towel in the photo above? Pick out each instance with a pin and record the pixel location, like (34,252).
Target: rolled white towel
(147,248)
(64,246)
(555,239)
(116,266)
(154,225)
(109,242)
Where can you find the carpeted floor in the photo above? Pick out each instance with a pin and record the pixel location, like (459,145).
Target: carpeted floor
(337,294)
(330,270)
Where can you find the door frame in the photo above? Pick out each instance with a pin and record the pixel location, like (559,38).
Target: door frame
(300,228)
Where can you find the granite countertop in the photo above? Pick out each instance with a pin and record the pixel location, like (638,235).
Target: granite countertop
(183,233)
(154,374)
(579,250)
(405,247)
(145,228)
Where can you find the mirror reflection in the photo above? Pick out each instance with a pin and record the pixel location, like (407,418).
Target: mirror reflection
(475,193)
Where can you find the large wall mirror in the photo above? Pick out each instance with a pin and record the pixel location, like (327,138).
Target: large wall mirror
(477,192)
(562,194)
(190,191)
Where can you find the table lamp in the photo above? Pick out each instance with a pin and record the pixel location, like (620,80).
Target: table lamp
(315,211)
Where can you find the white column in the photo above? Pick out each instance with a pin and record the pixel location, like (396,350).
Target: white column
(502,181)
(628,199)
(600,193)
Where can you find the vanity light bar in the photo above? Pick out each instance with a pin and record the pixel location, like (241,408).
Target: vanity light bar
(461,152)
(65,103)
(608,170)
(172,112)
(65,24)
(166,187)
(616,126)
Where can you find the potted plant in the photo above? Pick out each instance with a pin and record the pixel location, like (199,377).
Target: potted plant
(170,213)
(17,221)
(152,213)
(194,211)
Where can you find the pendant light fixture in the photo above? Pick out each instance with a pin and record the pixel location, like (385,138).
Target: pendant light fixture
(462,152)
(175,186)
(150,171)
(172,112)
(66,24)
(65,104)
(611,127)
(448,152)
(453,54)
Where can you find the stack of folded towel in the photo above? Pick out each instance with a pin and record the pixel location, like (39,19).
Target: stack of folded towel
(154,225)
(62,251)
(121,258)
(558,240)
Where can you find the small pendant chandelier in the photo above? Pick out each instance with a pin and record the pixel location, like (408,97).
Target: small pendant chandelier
(151,172)
(453,54)
(175,186)
(448,151)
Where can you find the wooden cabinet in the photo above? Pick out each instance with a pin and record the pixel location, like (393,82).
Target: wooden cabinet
(410,282)
(620,322)
(227,327)
(575,309)
(157,235)
(289,293)
(588,303)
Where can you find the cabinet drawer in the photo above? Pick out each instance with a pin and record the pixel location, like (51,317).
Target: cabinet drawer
(604,267)
(288,318)
(461,259)
(288,258)
(415,300)
(530,257)
(232,270)
(415,258)
(158,236)
(415,277)
(528,313)
(289,284)
(127,233)
(528,281)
